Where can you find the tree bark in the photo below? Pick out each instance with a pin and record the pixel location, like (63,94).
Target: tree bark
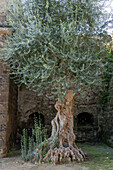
(62,129)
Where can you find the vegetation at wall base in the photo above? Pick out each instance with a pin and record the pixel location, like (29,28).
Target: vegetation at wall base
(31,143)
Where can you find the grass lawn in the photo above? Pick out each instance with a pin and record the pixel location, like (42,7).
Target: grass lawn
(100,156)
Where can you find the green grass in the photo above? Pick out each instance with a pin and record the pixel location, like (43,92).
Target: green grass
(100,156)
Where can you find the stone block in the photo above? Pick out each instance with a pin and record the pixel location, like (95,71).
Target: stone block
(3,118)
(4,97)
(3,107)
(4,88)
(4,79)
(3,127)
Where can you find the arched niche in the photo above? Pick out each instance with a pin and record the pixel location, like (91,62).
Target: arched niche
(39,118)
(29,125)
(85,131)
(85,119)
(30,122)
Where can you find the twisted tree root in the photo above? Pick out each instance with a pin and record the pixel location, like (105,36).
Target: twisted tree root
(62,154)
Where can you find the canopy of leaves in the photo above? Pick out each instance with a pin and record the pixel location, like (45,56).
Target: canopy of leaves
(56,44)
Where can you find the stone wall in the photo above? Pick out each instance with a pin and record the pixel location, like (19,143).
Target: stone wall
(110,112)
(29,103)
(12,114)
(3,13)
(90,107)
(8,92)
(4,88)
(8,109)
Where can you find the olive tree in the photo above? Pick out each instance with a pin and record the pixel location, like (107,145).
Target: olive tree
(59,46)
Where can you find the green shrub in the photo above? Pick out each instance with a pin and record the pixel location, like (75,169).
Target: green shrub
(29,144)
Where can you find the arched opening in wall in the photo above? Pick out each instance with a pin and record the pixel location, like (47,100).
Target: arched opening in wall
(85,119)
(85,127)
(38,117)
(29,125)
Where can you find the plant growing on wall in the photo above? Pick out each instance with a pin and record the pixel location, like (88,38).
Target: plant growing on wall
(57,45)
(105,100)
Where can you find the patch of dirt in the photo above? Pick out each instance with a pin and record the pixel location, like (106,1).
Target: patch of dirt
(14,162)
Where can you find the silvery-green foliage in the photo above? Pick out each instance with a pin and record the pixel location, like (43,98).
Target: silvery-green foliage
(56,44)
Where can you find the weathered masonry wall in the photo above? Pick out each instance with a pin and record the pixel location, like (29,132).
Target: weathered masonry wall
(109,112)
(4,88)
(90,120)
(8,104)
(8,110)
(8,92)
(111,109)
(29,103)
(12,114)
(2,12)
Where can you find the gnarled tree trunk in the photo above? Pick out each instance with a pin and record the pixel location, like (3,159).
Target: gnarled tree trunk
(62,128)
